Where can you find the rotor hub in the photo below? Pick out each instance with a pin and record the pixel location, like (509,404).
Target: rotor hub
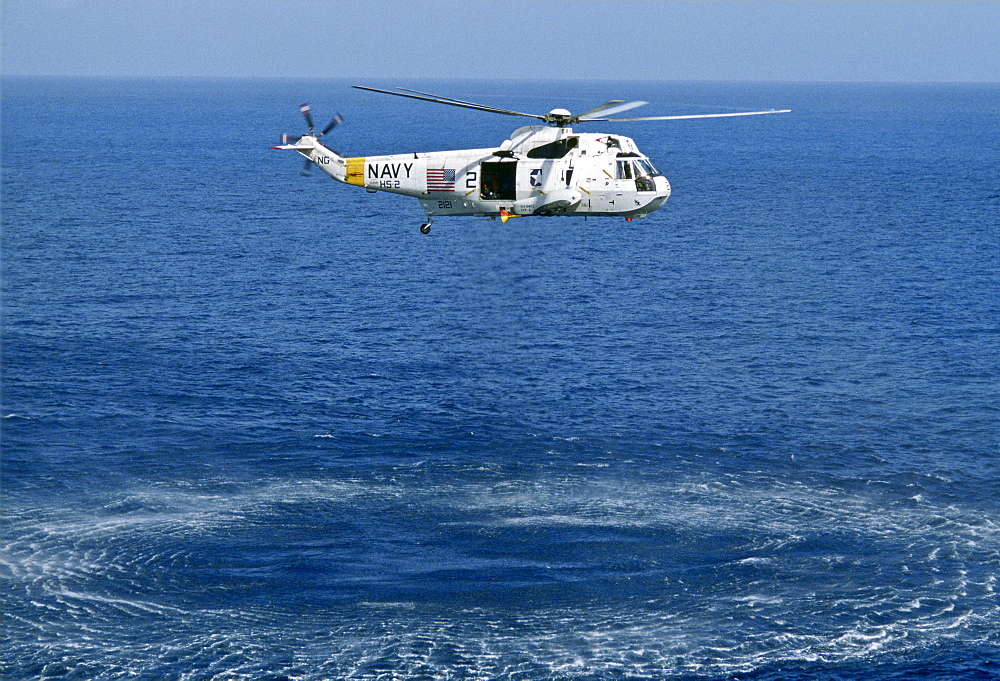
(560,117)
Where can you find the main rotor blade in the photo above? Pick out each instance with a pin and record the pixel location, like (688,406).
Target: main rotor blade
(677,118)
(612,107)
(448,100)
(461,101)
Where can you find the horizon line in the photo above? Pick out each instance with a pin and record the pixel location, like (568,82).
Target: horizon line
(569,79)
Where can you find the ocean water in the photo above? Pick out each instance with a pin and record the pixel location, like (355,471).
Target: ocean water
(256,426)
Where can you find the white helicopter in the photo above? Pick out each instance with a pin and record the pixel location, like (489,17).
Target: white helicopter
(540,170)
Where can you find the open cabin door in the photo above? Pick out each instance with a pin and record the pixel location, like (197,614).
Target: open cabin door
(498,180)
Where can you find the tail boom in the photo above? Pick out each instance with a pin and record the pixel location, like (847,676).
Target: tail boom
(328,160)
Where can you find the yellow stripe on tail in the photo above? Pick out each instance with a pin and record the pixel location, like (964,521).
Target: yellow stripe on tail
(356,171)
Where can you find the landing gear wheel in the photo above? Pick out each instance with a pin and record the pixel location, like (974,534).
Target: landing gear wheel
(425,228)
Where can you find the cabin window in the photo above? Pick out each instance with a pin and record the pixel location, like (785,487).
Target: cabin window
(556,149)
(624,170)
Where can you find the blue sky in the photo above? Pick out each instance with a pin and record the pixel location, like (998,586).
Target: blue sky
(627,39)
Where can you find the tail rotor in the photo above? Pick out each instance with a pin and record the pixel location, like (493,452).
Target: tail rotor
(306,111)
(307,114)
(337,120)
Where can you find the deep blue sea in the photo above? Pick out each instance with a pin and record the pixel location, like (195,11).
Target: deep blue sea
(256,426)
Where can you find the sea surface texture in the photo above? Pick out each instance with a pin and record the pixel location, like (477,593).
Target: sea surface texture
(256,426)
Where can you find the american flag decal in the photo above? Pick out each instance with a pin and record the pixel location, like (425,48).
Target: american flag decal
(440,179)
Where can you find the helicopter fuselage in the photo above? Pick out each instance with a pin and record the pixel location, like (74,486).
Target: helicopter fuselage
(540,170)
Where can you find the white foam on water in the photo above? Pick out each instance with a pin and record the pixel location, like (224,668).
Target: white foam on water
(60,565)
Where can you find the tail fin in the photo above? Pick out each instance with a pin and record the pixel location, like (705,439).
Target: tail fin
(329,161)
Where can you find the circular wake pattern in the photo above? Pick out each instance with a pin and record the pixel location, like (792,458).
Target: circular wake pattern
(444,572)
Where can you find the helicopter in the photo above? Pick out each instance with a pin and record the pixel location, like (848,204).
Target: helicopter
(541,170)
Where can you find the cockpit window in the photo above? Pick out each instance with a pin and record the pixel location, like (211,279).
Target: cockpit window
(638,169)
(644,167)
(634,167)
(556,149)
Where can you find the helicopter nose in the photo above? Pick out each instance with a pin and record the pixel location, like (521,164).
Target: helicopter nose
(662,186)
